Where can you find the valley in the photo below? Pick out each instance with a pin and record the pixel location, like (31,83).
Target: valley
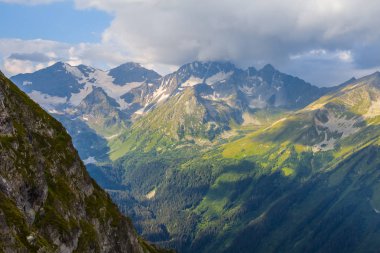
(213,158)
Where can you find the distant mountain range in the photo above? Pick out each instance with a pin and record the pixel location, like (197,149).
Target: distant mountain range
(136,90)
(214,158)
(108,102)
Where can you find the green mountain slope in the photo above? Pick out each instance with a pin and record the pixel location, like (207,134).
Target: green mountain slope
(48,202)
(307,182)
(184,119)
(335,211)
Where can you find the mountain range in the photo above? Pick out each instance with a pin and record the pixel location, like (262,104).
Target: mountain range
(208,97)
(215,158)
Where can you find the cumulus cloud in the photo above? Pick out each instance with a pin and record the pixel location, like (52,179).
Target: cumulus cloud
(34,57)
(319,40)
(18,59)
(13,66)
(270,30)
(27,62)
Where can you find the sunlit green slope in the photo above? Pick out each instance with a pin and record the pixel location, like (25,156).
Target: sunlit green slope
(305,182)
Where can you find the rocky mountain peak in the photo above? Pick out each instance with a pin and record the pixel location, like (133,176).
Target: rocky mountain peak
(375,77)
(205,69)
(369,80)
(267,71)
(132,72)
(251,71)
(98,96)
(130,65)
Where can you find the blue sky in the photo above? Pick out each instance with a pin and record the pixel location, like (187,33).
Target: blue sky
(58,21)
(324,42)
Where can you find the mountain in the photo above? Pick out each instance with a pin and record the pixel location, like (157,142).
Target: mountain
(121,104)
(132,72)
(48,202)
(203,100)
(199,157)
(62,86)
(246,89)
(184,119)
(133,86)
(100,112)
(82,95)
(326,122)
(306,181)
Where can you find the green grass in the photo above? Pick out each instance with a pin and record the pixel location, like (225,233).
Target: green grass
(287,171)
(246,147)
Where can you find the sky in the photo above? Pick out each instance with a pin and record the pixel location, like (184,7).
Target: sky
(324,42)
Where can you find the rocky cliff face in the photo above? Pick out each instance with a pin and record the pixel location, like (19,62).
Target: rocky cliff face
(48,202)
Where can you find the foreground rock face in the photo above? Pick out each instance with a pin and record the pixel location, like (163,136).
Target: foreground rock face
(48,202)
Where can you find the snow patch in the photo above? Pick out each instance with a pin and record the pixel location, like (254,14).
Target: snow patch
(163,98)
(105,81)
(122,104)
(73,71)
(112,136)
(76,98)
(140,111)
(341,125)
(160,95)
(53,111)
(192,81)
(46,101)
(218,77)
(247,90)
(89,160)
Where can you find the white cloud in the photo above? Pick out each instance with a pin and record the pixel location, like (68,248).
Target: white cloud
(270,30)
(325,37)
(19,56)
(323,54)
(22,56)
(25,56)
(248,32)
(13,66)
